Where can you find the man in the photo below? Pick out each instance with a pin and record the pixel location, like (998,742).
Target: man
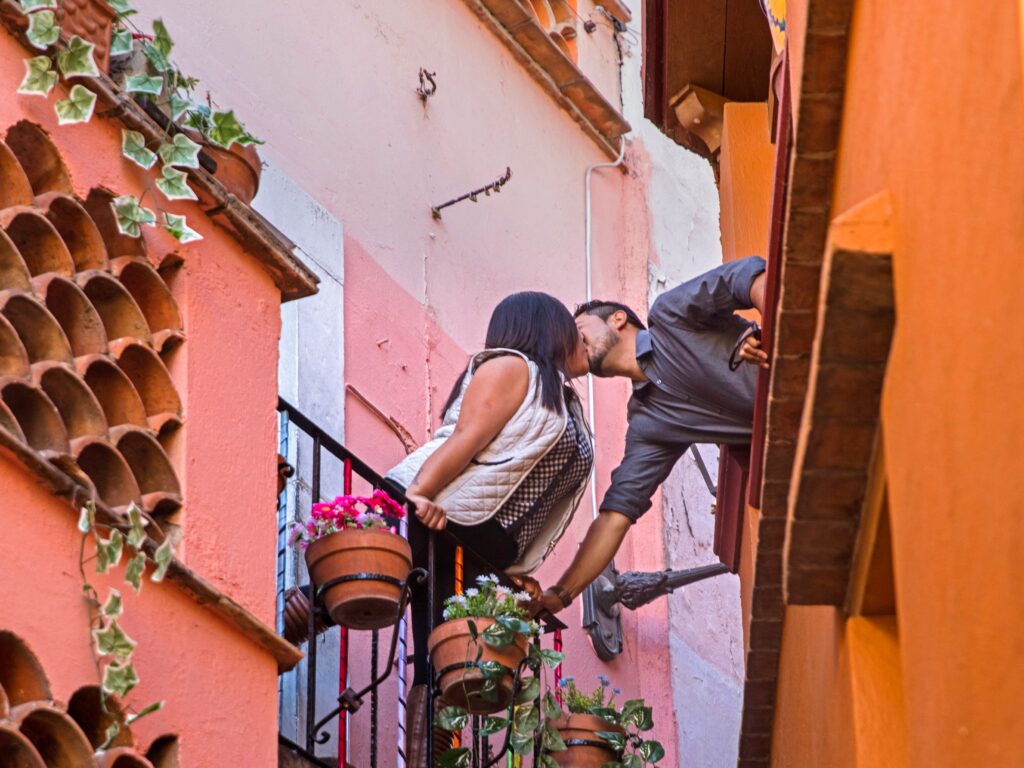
(684,392)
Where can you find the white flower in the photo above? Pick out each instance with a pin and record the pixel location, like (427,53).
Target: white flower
(472,592)
(521,597)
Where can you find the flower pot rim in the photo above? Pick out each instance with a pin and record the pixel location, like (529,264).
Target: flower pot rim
(454,627)
(371,533)
(576,720)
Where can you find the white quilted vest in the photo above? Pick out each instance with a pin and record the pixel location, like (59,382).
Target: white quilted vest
(477,494)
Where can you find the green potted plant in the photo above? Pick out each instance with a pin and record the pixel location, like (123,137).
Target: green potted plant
(352,538)
(476,650)
(598,733)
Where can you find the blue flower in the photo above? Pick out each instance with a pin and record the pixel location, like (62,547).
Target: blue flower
(564,682)
(604,680)
(616,691)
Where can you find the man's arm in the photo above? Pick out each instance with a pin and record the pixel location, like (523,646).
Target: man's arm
(707,299)
(644,467)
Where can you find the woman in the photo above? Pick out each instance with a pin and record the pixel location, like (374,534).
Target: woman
(506,470)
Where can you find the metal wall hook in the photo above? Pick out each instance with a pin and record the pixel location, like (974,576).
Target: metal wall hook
(428,86)
(495,186)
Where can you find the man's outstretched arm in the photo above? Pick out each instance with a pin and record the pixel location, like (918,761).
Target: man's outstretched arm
(599,546)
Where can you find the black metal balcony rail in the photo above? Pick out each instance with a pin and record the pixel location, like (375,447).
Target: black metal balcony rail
(351,701)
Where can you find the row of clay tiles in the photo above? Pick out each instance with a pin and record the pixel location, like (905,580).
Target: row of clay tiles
(85,321)
(38,732)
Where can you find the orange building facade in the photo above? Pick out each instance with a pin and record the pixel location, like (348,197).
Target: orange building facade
(133,370)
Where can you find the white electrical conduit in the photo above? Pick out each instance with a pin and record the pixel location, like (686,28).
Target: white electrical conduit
(590,295)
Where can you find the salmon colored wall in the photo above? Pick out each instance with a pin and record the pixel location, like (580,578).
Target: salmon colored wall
(226,375)
(934,113)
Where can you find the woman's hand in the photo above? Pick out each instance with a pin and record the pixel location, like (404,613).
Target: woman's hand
(429,513)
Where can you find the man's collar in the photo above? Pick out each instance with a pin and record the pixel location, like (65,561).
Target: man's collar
(644,348)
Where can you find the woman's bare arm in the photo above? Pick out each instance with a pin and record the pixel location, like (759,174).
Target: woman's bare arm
(495,393)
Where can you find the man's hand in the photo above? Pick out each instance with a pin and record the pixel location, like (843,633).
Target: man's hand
(429,513)
(529,585)
(548,602)
(751,352)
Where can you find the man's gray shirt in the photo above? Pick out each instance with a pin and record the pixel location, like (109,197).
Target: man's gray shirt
(690,396)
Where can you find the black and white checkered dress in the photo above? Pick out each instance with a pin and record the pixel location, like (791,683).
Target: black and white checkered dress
(556,476)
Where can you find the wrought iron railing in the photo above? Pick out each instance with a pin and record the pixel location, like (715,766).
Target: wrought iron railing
(296,426)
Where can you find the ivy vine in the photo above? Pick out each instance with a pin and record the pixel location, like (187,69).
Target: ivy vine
(160,81)
(111,647)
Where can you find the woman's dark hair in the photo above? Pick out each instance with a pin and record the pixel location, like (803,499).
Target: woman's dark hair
(542,328)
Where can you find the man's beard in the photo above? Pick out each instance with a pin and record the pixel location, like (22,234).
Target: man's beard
(601,349)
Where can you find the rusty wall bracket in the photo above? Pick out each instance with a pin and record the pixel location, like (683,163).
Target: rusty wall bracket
(494,186)
(428,86)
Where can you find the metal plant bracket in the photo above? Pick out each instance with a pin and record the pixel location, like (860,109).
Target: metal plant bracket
(603,600)
(495,186)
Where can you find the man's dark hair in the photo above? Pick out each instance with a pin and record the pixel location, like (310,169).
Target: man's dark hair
(605,309)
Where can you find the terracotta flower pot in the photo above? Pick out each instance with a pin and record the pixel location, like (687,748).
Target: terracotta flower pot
(584,748)
(451,646)
(366,602)
(238,168)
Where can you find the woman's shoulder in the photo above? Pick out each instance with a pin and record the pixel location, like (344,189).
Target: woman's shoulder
(502,366)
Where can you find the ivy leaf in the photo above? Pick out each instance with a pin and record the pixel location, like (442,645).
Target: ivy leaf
(179,230)
(493,724)
(547,761)
(156,58)
(120,42)
(114,606)
(177,105)
(225,129)
(156,706)
(498,636)
(42,29)
(143,83)
(615,738)
(552,709)
(123,7)
(249,140)
(650,751)
(119,679)
(87,519)
(112,641)
(529,691)
(161,39)
(514,624)
(108,552)
(78,60)
(452,719)
(163,556)
(551,739)
(77,107)
(27,6)
(110,734)
(133,146)
(180,151)
(138,523)
(173,184)
(133,573)
(455,758)
(39,77)
(130,215)
(199,118)
(632,761)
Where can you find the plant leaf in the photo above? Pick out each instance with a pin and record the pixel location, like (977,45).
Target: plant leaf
(121,6)
(452,719)
(547,761)
(551,739)
(133,573)
(113,548)
(156,706)
(173,184)
(42,29)
(119,679)
(110,734)
(137,534)
(77,107)
(161,39)
(179,230)
(494,724)
(87,519)
(615,738)
(156,58)
(130,215)
(199,118)
(498,635)
(225,129)
(650,751)
(551,658)
(552,709)
(163,556)
(114,606)
(143,83)
(632,761)
(120,42)
(112,641)
(521,742)
(39,77)
(177,105)
(27,6)
(455,758)
(77,59)
(529,690)
(180,151)
(133,146)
